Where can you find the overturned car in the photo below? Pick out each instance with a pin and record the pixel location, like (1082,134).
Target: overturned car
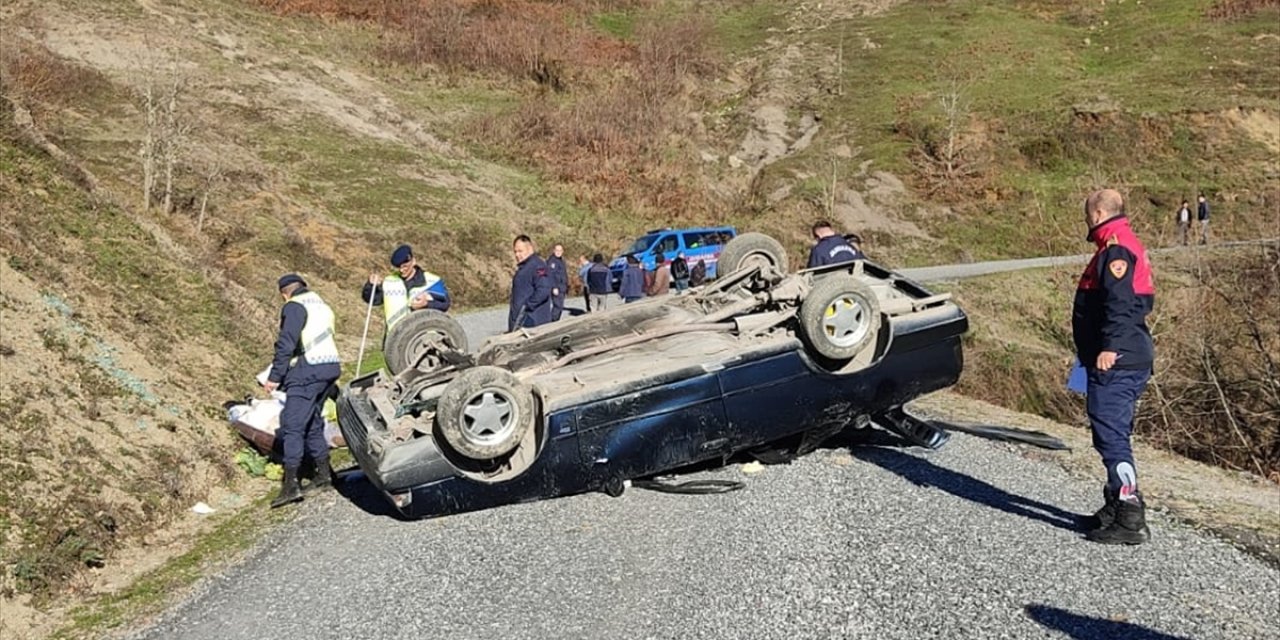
(759,357)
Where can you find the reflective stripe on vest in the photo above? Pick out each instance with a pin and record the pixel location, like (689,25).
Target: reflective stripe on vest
(318,345)
(395,299)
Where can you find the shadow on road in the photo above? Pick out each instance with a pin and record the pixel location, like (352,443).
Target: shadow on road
(354,486)
(927,474)
(1086,628)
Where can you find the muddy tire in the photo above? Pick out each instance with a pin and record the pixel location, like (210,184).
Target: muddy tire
(840,317)
(750,249)
(411,337)
(485,412)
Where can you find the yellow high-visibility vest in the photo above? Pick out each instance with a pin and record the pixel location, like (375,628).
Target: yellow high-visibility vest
(318,345)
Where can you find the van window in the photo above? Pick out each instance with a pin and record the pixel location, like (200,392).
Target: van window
(668,244)
(642,244)
(700,239)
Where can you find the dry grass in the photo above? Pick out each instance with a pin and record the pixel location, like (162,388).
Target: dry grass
(43,81)
(1231,9)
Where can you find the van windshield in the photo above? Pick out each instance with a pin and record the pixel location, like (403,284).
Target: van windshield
(642,244)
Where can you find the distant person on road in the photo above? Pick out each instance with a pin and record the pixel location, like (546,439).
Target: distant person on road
(1202,214)
(406,289)
(530,287)
(584,266)
(598,282)
(1108,323)
(1184,221)
(559,281)
(698,275)
(830,248)
(305,367)
(632,286)
(660,284)
(680,273)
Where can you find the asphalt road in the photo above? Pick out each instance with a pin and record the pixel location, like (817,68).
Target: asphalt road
(858,540)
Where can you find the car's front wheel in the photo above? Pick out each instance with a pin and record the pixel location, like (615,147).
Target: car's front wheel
(413,336)
(485,412)
(840,317)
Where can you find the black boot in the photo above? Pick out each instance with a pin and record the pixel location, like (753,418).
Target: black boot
(1128,527)
(1102,518)
(290,491)
(323,478)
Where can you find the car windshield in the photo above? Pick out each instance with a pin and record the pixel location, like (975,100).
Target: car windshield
(642,243)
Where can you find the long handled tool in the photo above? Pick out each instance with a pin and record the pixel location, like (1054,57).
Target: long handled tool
(363,336)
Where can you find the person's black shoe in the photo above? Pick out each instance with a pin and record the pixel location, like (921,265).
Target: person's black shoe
(290,491)
(1129,526)
(323,478)
(1102,518)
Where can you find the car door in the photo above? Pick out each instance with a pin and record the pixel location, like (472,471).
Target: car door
(775,396)
(658,428)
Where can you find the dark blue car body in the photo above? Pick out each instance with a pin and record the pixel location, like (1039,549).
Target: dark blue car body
(689,414)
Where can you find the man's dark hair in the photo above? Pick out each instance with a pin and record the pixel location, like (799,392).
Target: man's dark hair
(821,224)
(631,259)
(523,238)
(660,258)
(598,258)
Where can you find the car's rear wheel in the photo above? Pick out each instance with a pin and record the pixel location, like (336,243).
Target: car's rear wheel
(840,317)
(751,249)
(485,412)
(413,336)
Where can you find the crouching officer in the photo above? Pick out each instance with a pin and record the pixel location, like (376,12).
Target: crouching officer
(406,289)
(830,247)
(1108,322)
(305,367)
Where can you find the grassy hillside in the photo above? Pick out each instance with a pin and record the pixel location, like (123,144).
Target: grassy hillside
(315,135)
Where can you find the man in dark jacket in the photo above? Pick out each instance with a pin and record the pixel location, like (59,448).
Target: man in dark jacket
(530,288)
(559,281)
(1108,323)
(598,282)
(680,273)
(1202,214)
(406,289)
(305,366)
(831,248)
(632,286)
(698,275)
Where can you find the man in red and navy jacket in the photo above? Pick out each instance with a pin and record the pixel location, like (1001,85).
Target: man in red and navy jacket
(1108,323)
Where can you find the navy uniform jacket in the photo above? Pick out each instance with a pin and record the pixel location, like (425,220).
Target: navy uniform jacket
(439,294)
(289,346)
(530,295)
(832,250)
(559,276)
(1113,299)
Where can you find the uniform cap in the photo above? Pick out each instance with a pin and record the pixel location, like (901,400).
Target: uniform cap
(401,255)
(288,279)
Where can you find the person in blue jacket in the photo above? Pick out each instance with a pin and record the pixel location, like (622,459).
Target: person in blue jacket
(406,289)
(530,288)
(305,367)
(631,288)
(559,281)
(1115,294)
(831,247)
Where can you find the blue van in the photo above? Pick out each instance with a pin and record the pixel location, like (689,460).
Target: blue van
(696,243)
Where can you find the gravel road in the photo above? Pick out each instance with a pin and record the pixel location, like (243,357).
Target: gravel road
(858,540)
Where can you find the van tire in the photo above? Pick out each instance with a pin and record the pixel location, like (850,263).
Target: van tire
(750,249)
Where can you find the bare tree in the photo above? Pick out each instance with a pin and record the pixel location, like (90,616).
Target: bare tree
(174,133)
(160,91)
(213,181)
